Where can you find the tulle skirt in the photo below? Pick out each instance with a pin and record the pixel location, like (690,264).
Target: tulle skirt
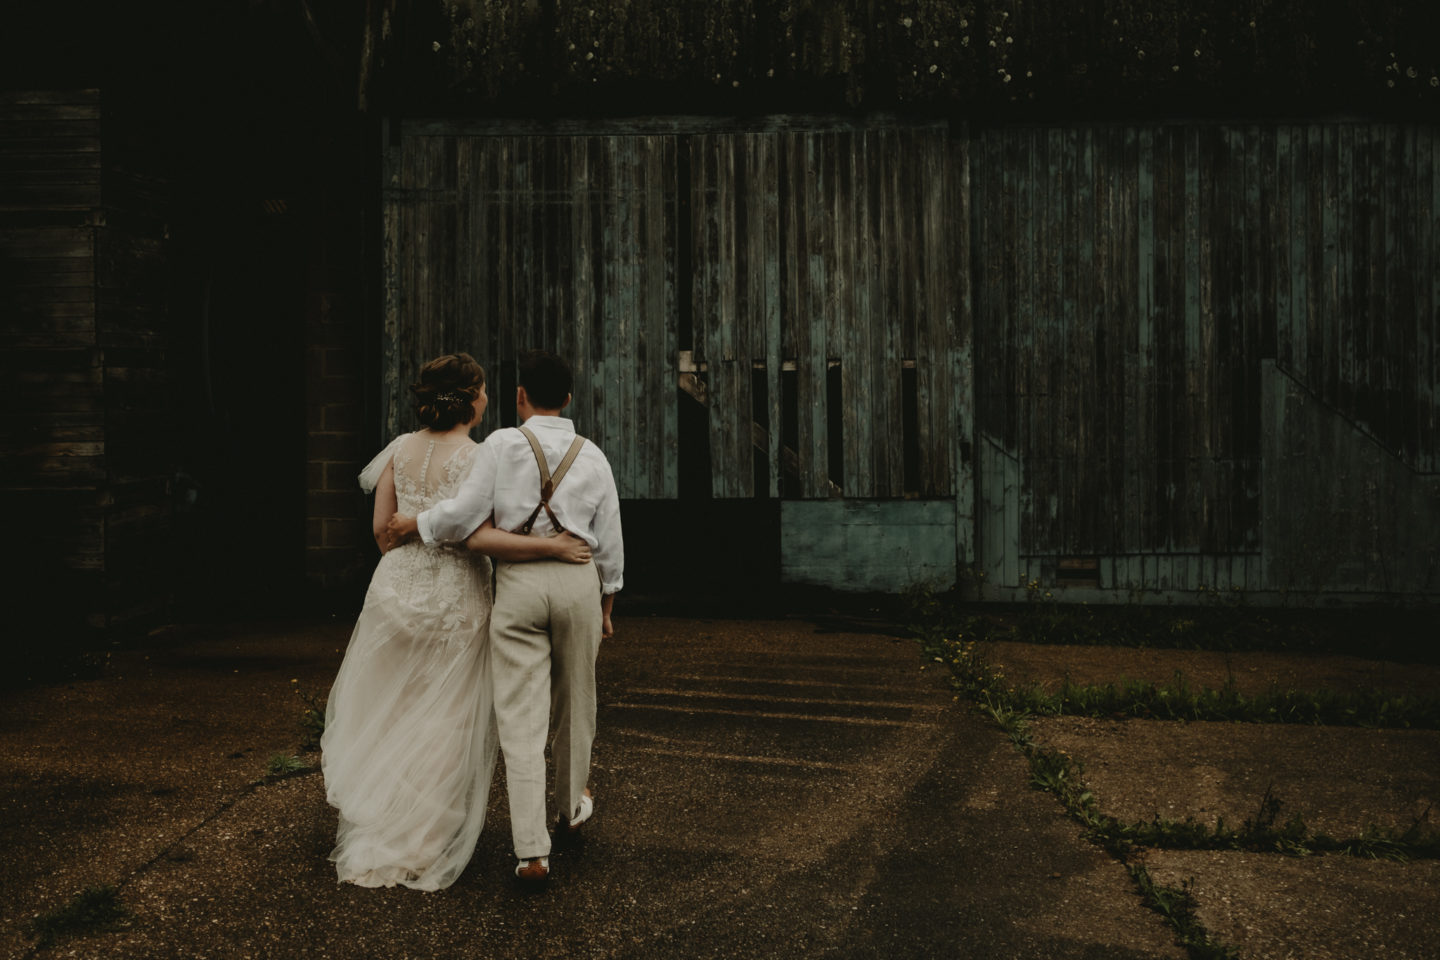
(409,746)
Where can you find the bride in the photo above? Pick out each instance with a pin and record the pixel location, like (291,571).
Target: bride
(409,744)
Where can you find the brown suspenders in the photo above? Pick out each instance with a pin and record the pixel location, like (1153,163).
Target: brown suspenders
(548,483)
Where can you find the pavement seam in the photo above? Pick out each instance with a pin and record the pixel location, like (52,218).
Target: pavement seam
(249,789)
(858,721)
(770,698)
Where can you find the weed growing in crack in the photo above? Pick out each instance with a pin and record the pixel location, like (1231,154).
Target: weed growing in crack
(312,721)
(1177,906)
(283,765)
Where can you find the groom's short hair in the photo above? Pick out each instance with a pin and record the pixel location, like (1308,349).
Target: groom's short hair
(546,378)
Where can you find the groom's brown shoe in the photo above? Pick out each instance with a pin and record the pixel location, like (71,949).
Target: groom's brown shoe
(533,873)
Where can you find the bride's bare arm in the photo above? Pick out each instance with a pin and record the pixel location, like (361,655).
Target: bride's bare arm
(385,507)
(516,548)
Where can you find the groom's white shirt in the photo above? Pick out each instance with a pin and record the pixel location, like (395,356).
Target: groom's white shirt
(504,479)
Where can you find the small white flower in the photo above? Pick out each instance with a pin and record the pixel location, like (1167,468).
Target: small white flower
(435,46)
(1389,83)
(1175,68)
(992,43)
(1007,78)
(905,22)
(1197,51)
(1009,39)
(964,23)
(964,41)
(1140,53)
(1411,73)
(590,55)
(934,67)
(1435,81)
(1029,73)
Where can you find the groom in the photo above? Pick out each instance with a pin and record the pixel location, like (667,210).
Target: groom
(549,616)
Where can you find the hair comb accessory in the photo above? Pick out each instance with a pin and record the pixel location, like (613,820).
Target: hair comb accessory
(450,396)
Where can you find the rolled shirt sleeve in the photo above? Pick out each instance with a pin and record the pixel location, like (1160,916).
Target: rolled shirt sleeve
(458,517)
(608,551)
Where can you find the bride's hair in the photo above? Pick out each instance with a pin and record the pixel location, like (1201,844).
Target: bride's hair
(446,389)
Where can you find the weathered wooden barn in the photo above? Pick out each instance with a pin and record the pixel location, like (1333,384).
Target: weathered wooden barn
(1120,300)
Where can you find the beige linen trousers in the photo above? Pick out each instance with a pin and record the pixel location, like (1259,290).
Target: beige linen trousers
(544,637)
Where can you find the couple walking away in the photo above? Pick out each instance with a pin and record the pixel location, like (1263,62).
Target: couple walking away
(437,680)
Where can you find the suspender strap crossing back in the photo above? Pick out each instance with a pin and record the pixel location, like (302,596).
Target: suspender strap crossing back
(548,483)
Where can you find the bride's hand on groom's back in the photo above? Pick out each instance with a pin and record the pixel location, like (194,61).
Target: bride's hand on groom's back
(571,549)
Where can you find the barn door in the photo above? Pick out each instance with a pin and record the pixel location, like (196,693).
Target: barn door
(806,285)
(495,244)
(831,329)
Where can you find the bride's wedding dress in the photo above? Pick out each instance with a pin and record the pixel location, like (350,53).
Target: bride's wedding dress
(410,745)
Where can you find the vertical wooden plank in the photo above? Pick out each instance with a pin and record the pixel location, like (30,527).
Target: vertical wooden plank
(798,314)
(1097,495)
(1333,254)
(1046,488)
(1077,357)
(887,326)
(1192,436)
(1300,190)
(662,357)
(1389,344)
(584,254)
(394,214)
(935,390)
(1022,309)
(707,212)
(750,245)
(1427,296)
(602,251)
(1150,256)
(814,401)
(621,313)
(772,252)
(961,210)
(858,351)
(738,297)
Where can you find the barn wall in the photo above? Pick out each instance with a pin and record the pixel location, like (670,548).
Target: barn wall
(1132,281)
(725,257)
(1058,331)
(495,244)
(1367,520)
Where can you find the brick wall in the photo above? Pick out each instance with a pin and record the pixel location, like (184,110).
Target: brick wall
(337,534)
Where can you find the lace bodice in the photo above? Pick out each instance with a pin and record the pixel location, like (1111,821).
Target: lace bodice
(429,470)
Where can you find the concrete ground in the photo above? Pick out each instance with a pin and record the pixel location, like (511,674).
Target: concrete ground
(764,788)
